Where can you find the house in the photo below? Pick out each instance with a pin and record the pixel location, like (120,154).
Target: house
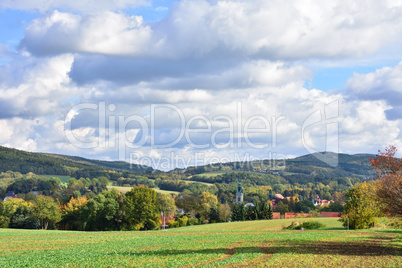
(275,200)
(322,202)
(10,195)
(249,205)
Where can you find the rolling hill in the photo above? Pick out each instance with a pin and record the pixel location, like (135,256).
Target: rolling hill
(53,164)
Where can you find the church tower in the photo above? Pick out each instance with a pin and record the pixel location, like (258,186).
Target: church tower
(239,194)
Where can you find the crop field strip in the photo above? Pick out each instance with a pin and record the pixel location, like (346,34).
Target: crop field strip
(239,244)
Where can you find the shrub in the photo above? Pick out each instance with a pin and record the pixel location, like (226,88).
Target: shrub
(395,223)
(193,221)
(182,221)
(172,224)
(308,225)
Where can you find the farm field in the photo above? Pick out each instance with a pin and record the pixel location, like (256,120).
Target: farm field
(124,190)
(242,244)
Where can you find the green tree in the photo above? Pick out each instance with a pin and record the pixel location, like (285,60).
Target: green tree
(224,213)
(282,208)
(46,211)
(8,208)
(166,205)
(333,207)
(22,219)
(270,211)
(141,209)
(264,211)
(213,214)
(207,201)
(242,214)
(99,213)
(362,206)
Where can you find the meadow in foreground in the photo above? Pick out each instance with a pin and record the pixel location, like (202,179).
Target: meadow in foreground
(256,243)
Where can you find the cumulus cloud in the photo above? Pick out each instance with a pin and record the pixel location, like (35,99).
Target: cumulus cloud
(81,6)
(231,74)
(202,29)
(383,84)
(34,87)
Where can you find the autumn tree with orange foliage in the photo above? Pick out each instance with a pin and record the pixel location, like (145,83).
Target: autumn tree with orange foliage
(389,173)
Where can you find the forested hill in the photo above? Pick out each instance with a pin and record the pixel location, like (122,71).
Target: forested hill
(52,164)
(301,170)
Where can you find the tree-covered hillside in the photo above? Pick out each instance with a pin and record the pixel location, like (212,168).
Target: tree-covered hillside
(50,164)
(300,170)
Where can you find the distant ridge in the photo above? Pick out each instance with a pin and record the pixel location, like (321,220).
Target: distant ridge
(55,164)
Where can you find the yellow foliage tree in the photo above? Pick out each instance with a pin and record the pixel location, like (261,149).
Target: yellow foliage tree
(362,207)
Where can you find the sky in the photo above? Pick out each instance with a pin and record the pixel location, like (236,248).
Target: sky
(176,83)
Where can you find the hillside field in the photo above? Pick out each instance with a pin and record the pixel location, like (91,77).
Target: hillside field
(242,244)
(124,190)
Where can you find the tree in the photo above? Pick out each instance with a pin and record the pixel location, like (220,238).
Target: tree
(188,203)
(242,213)
(236,213)
(282,208)
(46,211)
(362,206)
(22,219)
(270,212)
(263,214)
(224,213)
(389,172)
(213,214)
(333,207)
(71,213)
(99,213)
(8,208)
(207,201)
(141,209)
(166,205)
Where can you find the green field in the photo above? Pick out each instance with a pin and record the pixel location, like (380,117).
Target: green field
(124,190)
(63,179)
(242,244)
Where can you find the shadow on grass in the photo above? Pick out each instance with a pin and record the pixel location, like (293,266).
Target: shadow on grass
(394,231)
(371,248)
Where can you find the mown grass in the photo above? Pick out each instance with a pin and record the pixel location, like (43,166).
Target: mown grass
(242,244)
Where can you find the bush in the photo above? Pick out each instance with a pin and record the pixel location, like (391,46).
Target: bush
(308,225)
(395,223)
(193,221)
(182,221)
(173,224)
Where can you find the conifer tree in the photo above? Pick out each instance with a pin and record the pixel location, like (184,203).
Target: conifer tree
(270,212)
(264,211)
(242,213)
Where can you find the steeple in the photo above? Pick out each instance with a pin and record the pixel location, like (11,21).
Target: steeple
(239,194)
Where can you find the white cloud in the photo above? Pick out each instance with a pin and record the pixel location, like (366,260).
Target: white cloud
(81,5)
(383,84)
(202,29)
(35,87)
(207,58)
(105,33)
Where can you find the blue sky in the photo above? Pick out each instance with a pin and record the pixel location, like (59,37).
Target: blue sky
(175,83)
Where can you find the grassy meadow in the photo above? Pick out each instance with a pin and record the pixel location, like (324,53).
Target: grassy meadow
(239,244)
(63,179)
(124,190)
